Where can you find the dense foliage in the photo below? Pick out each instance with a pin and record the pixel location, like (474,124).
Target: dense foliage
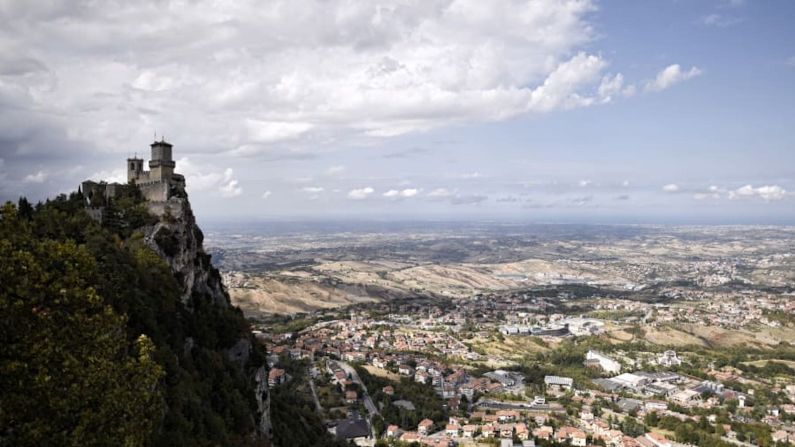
(98,349)
(295,421)
(427,404)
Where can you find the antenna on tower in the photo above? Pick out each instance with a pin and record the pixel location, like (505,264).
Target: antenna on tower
(155,135)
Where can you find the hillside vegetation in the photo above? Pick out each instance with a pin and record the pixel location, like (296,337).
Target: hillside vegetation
(98,347)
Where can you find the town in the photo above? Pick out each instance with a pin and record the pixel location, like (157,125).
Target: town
(562,365)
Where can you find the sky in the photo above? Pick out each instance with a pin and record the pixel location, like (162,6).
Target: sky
(532,110)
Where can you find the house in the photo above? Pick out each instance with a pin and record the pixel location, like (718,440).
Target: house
(405,370)
(506,378)
(452,430)
(782,437)
(488,431)
(686,397)
(613,438)
(410,436)
(629,441)
(425,426)
(669,358)
(470,430)
(340,376)
(456,420)
(422,377)
(490,418)
(506,430)
(543,432)
(507,415)
(378,362)
(351,397)
(575,436)
(389,390)
(392,431)
(522,432)
(276,376)
(353,429)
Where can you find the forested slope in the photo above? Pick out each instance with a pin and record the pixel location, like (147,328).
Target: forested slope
(103,343)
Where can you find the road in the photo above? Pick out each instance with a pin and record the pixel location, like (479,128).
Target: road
(314,395)
(368,402)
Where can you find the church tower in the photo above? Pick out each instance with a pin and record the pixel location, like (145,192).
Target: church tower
(161,165)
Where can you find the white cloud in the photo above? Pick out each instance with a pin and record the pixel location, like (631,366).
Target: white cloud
(611,87)
(303,72)
(266,195)
(38,177)
(720,20)
(409,192)
(471,199)
(313,192)
(207,178)
(406,193)
(791,61)
(584,183)
(335,170)
(361,193)
(713,192)
(582,201)
(229,186)
(671,75)
(767,193)
(440,192)
(671,187)
(561,89)
(115,176)
(625,183)
(261,131)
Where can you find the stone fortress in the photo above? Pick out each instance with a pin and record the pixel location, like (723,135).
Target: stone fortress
(157,185)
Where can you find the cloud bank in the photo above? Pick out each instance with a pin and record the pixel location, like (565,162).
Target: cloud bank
(299,72)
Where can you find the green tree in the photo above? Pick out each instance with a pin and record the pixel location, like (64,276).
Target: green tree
(68,372)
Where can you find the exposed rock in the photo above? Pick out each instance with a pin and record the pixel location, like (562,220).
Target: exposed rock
(179,241)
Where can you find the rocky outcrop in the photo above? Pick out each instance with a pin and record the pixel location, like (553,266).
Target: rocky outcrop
(179,241)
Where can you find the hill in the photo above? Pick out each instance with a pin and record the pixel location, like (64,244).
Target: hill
(119,331)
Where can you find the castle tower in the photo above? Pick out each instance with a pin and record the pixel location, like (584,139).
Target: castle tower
(135,169)
(161,165)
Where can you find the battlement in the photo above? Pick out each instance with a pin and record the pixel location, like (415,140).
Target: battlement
(157,185)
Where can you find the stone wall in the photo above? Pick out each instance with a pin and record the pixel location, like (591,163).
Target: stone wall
(154,191)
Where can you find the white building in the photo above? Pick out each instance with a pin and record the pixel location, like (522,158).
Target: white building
(605,363)
(565,383)
(669,358)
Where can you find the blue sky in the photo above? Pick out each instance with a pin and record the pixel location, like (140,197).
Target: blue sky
(620,111)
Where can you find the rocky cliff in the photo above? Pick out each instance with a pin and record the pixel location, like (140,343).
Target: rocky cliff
(177,239)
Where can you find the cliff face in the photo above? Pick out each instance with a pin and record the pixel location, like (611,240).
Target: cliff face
(177,239)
